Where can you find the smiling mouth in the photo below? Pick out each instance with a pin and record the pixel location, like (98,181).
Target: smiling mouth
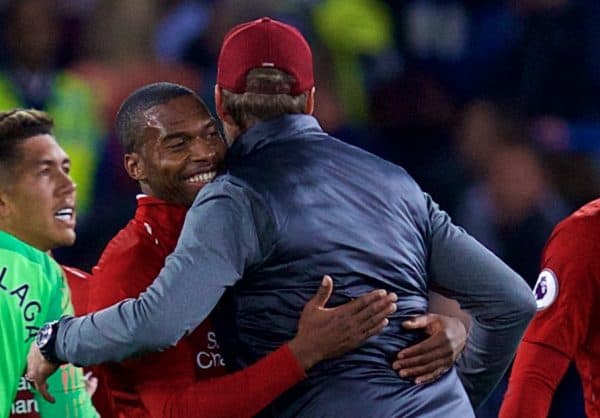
(64,214)
(201,177)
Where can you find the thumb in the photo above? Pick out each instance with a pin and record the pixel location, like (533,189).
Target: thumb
(417,322)
(324,292)
(42,388)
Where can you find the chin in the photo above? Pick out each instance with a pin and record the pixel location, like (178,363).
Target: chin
(66,239)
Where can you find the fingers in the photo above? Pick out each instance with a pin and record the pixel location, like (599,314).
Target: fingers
(42,388)
(419,372)
(418,322)
(323,293)
(376,329)
(363,301)
(38,370)
(431,377)
(372,319)
(91,383)
(376,312)
(441,354)
(437,341)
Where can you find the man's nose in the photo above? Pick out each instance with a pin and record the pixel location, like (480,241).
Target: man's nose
(202,149)
(67,185)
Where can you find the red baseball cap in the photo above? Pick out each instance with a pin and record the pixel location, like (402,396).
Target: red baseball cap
(264,43)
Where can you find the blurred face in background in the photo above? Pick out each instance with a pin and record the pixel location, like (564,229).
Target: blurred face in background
(478,135)
(179,151)
(516,182)
(33,33)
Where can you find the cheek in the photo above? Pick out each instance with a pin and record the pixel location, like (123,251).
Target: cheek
(221,150)
(171,161)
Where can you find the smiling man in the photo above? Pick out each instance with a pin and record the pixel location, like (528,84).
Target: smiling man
(173,149)
(37,214)
(295,203)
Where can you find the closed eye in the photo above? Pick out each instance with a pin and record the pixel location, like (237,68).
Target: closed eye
(177,142)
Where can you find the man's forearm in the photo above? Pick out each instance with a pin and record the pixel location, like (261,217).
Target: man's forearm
(163,314)
(499,301)
(533,382)
(207,259)
(241,394)
(500,304)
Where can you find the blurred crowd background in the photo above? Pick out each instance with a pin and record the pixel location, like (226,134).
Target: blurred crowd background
(493,106)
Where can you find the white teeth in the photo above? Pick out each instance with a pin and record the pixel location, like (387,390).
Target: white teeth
(65,214)
(203,177)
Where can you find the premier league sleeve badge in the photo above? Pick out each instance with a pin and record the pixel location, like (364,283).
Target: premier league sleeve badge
(546,289)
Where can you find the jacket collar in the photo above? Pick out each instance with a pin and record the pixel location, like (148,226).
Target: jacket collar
(264,133)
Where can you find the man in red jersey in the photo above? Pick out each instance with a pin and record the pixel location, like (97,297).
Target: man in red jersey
(172,149)
(564,329)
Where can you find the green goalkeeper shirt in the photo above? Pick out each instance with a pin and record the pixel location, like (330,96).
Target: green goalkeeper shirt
(33,291)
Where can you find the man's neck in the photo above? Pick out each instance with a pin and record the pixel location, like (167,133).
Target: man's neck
(15,234)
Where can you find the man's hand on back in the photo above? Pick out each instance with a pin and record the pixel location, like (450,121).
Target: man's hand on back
(330,332)
(432,357)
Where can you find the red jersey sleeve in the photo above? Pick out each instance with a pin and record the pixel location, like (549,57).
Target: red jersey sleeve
(78,281)
(238,395)
(124,269)
(565,288)
(533,382)
(564,294)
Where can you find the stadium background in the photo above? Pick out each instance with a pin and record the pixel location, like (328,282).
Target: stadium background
(493,106)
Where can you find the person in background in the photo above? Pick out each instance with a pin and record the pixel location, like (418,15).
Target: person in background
(563,331)
(34,76)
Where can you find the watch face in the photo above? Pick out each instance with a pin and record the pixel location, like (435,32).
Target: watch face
(44,335)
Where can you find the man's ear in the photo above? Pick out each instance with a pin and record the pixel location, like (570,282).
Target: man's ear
(134,165)
(310,102)
(221,111)
(4,206)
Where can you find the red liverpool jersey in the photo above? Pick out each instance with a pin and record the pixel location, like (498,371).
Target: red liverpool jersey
(128,265)
(566,327)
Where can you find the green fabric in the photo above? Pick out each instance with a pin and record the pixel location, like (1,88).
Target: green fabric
(77,128)
(350,29)
(33,291)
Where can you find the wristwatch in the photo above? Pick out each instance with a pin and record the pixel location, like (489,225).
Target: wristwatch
(46,339)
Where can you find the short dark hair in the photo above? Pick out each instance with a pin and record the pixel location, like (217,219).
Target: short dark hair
(268,96)
(129,121)
(18,125)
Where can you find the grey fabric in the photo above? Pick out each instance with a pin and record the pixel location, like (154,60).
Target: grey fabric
(297,204)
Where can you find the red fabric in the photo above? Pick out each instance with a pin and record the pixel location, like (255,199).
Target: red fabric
(128,265)
(533,382)
(228,396)
(79,285)
(264,43)
(24,405)
(78,281)
(569,326)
